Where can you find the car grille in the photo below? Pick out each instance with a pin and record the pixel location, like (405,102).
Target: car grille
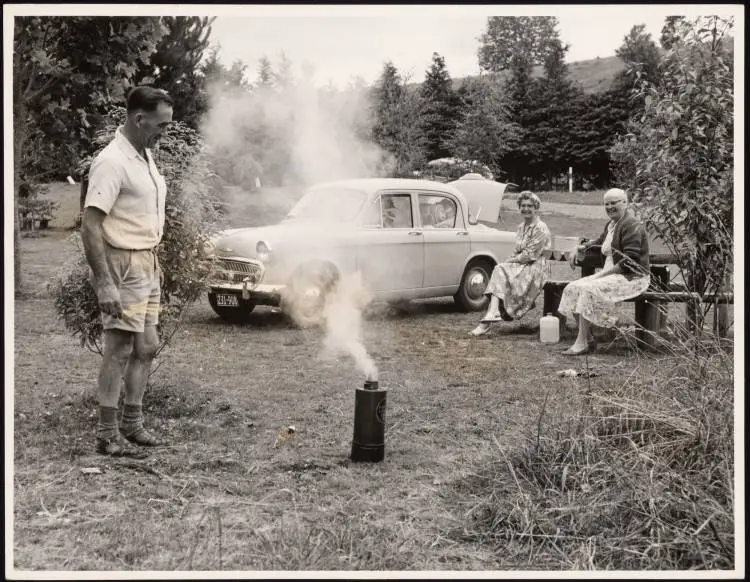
(232,271)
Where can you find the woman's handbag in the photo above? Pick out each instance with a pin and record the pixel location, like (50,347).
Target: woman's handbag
(589,256)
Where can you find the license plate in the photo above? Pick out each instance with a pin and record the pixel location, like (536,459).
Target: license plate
(226,300)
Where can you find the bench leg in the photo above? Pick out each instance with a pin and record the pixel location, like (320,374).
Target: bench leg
(552,295)
(721,325)
(648,317)
(552,298)
(553,292)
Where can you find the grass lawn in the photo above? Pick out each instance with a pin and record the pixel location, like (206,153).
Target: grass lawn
(594,197)
(222,496)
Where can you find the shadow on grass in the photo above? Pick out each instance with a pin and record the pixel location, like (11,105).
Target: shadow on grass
(412,309)
(269,319)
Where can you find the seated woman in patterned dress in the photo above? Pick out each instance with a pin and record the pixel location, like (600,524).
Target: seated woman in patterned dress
(516,282)
(625,273)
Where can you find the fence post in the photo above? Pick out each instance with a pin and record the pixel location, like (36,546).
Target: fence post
(721,310)
(570,178)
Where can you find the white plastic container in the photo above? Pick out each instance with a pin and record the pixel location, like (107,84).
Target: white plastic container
(549,329)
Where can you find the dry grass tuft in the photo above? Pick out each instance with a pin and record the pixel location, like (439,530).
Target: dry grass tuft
(635,476)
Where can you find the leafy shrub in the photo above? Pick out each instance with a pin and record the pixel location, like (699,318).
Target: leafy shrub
(76,302)
(678,156)
(192,212)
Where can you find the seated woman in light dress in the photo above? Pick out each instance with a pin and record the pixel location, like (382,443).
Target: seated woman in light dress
(516,282)
(625,273)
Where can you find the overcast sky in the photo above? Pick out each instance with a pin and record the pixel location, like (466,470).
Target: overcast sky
(343,42)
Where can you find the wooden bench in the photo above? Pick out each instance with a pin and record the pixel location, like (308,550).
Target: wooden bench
(649,306)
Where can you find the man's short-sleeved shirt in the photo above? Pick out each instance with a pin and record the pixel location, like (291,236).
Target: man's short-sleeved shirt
(132,193)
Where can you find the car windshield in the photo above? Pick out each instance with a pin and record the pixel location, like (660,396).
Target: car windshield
(328,204)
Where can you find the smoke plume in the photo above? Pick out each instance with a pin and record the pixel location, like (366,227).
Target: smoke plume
(343,323)
(296,134)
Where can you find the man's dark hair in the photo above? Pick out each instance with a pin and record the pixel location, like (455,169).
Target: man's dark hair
(145,98)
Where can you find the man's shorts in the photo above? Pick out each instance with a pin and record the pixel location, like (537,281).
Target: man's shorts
(137,276)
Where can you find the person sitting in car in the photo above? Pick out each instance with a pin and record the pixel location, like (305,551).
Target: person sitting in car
(395,215)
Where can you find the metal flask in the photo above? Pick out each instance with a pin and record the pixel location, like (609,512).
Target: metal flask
(368,444)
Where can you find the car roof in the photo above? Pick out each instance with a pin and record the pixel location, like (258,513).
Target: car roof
(371,185)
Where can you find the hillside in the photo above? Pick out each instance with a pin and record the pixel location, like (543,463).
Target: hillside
(594,75)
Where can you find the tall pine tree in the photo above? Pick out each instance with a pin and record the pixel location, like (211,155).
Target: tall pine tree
(610,111)
(440,105)
(176,63)
(397,123)
(549,119)
(485,130)
(514,45)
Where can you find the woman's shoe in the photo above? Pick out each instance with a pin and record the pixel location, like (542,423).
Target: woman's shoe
(481,329)
(571,352)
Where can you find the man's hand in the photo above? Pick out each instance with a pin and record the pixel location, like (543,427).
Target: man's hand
(109,299)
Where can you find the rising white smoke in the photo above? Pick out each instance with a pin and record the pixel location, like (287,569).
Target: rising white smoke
(325,142)
(343,323)
(307,135)
(301,132)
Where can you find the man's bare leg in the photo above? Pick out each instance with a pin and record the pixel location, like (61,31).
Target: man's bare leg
(118,345)
(136,377)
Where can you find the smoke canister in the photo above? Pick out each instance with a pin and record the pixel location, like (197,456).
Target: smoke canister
(549,329)
(368,444)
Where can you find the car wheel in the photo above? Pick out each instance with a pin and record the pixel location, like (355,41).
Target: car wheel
(470,296)
(239,314)
(305,298)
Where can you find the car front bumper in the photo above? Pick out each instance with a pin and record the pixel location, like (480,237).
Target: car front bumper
(244,278)
(260,293)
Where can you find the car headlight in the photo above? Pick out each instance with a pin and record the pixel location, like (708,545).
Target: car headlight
(263,250)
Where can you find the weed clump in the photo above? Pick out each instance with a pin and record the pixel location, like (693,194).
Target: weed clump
(630,476)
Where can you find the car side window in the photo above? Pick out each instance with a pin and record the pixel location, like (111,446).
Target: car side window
(437,211)
(396,210)
(372,216)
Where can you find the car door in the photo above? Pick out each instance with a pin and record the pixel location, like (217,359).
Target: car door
(390,254)
(446,240)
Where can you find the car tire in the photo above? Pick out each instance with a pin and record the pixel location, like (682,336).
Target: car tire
(470,296)
(305,297)
(240,314)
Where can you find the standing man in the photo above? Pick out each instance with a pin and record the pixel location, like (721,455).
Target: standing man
(123,222)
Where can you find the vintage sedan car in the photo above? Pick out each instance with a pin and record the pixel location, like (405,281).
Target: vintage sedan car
(407,238)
